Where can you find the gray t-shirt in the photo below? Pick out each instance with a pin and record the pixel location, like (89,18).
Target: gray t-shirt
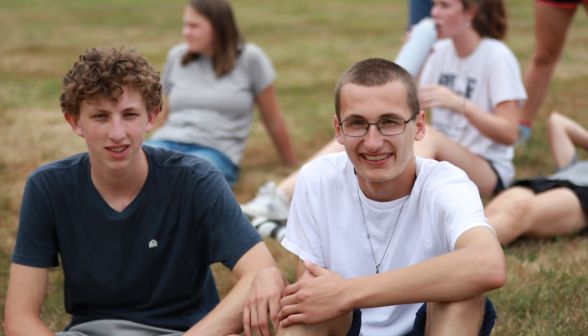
(576,172)
(210,111)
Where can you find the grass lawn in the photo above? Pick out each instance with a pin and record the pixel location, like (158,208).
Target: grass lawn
(311,43)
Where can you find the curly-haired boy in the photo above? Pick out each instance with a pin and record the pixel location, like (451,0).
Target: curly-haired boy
(136,228)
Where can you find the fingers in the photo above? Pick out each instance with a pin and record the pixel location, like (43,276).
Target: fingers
(247,320)
(291,289)
(254,321)
(274,306)
(287,311)
(312,268)
(292,319)
(263,327)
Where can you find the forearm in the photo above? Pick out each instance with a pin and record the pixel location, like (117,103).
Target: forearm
(279,134)
(25,325)
(24,300)
(227,317)
(495,127)
(451,277)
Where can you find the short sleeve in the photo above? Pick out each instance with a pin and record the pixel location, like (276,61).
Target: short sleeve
(260,68)
(504,78)
(166,73)
(302,232)
(230,234)
(36,241)
(458,208)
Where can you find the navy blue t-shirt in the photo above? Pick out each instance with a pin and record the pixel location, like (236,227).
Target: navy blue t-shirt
(147,264)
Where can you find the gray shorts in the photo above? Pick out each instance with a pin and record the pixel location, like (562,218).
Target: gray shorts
(117,328)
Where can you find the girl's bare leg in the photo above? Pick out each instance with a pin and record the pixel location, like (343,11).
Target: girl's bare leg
(564,135)
(551,27)
(548,214)
(437,146)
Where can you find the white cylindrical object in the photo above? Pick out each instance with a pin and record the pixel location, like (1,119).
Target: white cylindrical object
(415,51)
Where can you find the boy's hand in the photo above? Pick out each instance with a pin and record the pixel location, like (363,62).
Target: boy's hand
(317,297)
(264,295)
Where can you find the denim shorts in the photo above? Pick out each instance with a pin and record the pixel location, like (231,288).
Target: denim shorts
(229,170)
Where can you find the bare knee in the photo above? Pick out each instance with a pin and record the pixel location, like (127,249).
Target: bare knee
(455,318)
(337,327)
(554,120)
(546,56)
(518,213)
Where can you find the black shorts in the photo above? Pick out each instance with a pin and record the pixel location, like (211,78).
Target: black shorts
(542,184)
(499,185)
(356,324)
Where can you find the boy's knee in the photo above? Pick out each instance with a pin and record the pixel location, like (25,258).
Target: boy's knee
(464,317)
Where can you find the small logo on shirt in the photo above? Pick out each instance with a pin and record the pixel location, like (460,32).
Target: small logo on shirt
(153,243)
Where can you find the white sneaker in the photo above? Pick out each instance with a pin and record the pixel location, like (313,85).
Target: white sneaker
(269,229)
(270,202)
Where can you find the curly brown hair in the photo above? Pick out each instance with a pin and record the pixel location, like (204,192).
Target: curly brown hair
(101,73)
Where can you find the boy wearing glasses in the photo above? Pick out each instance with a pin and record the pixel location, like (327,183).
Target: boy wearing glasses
(381,230)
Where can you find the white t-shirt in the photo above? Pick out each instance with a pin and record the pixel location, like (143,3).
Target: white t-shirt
(326,226)
(488,76)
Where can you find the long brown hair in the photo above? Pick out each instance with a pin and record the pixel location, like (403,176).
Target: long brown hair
(491,18)
(227,41)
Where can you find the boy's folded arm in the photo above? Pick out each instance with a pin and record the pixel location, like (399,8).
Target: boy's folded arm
(477,266)
(228,316)
(24,300)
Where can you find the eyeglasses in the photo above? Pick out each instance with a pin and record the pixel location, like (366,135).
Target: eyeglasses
(388,126)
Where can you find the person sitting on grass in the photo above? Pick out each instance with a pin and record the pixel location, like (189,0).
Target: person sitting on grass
(135,227)
(375,228)
(550,206)
(472,83)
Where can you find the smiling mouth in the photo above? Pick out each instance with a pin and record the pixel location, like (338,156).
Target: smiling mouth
(375,157)
(117,149)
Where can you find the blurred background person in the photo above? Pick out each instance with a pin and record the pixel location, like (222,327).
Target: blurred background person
(549,206)
(212,83)
(472,84)
(552,22)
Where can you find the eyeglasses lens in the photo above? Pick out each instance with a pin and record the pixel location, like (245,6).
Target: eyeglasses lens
(391,126)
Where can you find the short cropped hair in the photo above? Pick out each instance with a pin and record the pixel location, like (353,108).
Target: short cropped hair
(377,72)
(101,74)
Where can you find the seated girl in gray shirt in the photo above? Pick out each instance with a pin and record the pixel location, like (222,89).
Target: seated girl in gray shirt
(212,82)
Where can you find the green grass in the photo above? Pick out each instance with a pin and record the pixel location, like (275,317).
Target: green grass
(311,43)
